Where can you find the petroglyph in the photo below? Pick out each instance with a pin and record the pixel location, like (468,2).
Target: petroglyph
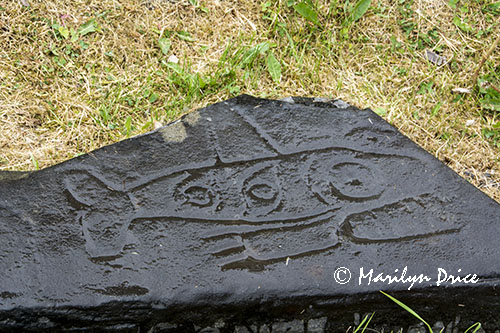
(258,211)
(262,200)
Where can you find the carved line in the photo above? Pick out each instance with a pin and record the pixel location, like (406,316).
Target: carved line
(147,180)
(297,221)
(92,173)
(346,230)
(225,252)
(346,227)
(251,173)
(253,264)
(161,175)
(232,221)
(215,139)
(346,197)
(255,230)
(266,137)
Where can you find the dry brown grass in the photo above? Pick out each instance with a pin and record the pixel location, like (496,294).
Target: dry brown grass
(51,112)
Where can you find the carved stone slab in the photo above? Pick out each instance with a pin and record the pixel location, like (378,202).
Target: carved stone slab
(249,214)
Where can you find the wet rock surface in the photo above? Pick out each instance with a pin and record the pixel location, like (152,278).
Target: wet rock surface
(250,215)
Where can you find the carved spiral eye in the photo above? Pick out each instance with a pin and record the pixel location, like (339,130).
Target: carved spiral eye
(199,196)
(197,189)
(263,191)
(344,181)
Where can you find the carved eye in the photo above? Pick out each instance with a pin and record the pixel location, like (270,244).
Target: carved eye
(353,179)
(261,190)
(197,189)
(199,196)
(345,181)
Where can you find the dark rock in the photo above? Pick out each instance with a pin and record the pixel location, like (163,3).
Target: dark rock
(241,329)
(290,326)
(264,329)
(242,215)
(316,325)
(449,328)
(357,319)
(420,328)
(438,327)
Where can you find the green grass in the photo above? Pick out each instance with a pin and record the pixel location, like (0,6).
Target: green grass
(363,325)
(474,328)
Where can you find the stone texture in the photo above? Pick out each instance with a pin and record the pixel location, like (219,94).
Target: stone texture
(316,325)
(290,326)
(243,213)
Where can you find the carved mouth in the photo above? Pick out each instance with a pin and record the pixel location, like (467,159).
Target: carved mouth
(253,245)
(414,218)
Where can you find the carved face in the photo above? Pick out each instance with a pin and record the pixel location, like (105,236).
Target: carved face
(266,190)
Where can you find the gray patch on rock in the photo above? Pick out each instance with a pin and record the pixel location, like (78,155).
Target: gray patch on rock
(316,325)
(176,132)
(13,175)
(322,100)
(288,100)
(210,330)
(340,104)
(357,319)
(241,329)
(163,327)
(449,328)
(419,328)
(290,326)
(264,329)
(439,325)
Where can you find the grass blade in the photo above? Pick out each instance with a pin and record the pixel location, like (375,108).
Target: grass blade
(64,32)
(251,54)
(273,67)
(360,9)
(476,327)
(128,126)
(364,323)
(184,35)
(164,44)
(88,27)
(407,308)
(35,162)
(307,12)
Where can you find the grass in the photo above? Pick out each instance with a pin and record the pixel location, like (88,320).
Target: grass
(80,75)
(363,325)
(366,320)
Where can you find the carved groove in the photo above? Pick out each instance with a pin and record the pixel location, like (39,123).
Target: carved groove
(405,220)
